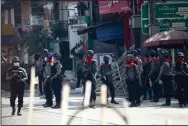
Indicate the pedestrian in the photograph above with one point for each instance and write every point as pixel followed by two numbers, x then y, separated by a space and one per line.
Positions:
pixel 47 82
pixel 90 69
pixel 56 79
pixel 17 77
pixel 165 76
pixel 79 69
pixel 133 81
pixel 153 74
pixel 106 73
pixel 181 76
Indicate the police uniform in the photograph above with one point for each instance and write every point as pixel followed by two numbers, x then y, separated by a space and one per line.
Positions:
pixel 181 76
pixel 165 76
pixel 133 81
pixel 56 81
pixel 153 74
pixel 90 69
pixel 47 83
pixel 106 73
pixel 17 77
pixel 145 79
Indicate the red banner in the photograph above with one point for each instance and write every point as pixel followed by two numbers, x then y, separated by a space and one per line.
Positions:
pixel 113 6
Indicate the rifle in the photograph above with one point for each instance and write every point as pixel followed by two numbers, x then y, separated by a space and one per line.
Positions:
pixel 20 72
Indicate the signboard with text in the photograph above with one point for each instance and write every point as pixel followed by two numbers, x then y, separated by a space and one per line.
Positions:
pixel 169 16
pixel 77 42
pixel 113 6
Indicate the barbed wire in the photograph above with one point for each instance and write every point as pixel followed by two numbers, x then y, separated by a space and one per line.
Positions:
pixel 123 117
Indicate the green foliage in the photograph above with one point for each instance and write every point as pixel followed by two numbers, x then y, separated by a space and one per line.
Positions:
pixel 35 40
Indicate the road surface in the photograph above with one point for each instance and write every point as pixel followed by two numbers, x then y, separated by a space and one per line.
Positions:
pixel 147 113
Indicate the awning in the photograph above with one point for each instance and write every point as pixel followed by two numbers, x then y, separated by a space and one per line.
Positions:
pixel 9 40
pixel 106 31
pixel 168 39
pixel 113 31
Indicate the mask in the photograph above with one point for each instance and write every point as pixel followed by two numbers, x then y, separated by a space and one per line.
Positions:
pixel 89 59
pixel 128 62
pixel 16 64
pixel 45 59
pixel 180 59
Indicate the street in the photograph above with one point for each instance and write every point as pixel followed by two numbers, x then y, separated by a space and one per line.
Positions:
pixel 147 114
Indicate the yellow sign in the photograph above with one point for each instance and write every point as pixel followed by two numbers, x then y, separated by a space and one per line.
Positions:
pixel 7 29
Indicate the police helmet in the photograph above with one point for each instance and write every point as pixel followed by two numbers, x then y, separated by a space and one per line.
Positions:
pixel 153 53
pixel 138 50
pixel 166 54
pixel 180 54
pixel 57 55
pixel 46 51
pixel 15 59
pixel 106 58
pixel 91 52
pixel 135 53
pixel 129 57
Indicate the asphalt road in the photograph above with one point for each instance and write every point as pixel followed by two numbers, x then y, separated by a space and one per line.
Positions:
pixel 147 113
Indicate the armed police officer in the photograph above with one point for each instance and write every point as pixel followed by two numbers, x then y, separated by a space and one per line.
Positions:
pixel 181 76
pixel 133 81
pixel 17 77
pixel 90 69
pixel 55 79
pixel 106 73
pixel 47 82
pixel 153 74
pixel 165 76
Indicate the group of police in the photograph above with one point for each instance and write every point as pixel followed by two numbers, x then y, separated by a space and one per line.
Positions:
pixel 144 75
pixel 142 78
pixel 49 72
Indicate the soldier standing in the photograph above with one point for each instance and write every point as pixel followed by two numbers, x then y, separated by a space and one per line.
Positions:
pixel 90 69
pixel 165 76
pixel 17 77
pixel 47 83
pixel 145 79
pixel 56 79
pixel 133 81
pixel 106 73
pixel 153 74
pixel 181 75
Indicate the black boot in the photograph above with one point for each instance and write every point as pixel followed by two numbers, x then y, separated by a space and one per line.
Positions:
pixel 56 106
pixel 18 112
pixel 114 102
pixel 13 111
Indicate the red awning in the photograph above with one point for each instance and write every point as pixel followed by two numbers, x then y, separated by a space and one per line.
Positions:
pixel 168 39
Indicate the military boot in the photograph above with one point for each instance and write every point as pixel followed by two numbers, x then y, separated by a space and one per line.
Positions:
pixel 13 111
pixel 19 112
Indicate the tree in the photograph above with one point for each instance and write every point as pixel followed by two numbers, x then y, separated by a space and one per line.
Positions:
pixel 37 38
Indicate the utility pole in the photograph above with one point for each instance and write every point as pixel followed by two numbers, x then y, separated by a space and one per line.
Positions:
pixel 91 11
pixel 153 27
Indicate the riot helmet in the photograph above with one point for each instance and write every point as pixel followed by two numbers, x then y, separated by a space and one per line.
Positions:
pixel 90 52
pixel 106 59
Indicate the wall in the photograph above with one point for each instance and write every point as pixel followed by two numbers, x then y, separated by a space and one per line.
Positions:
pixel 25 11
